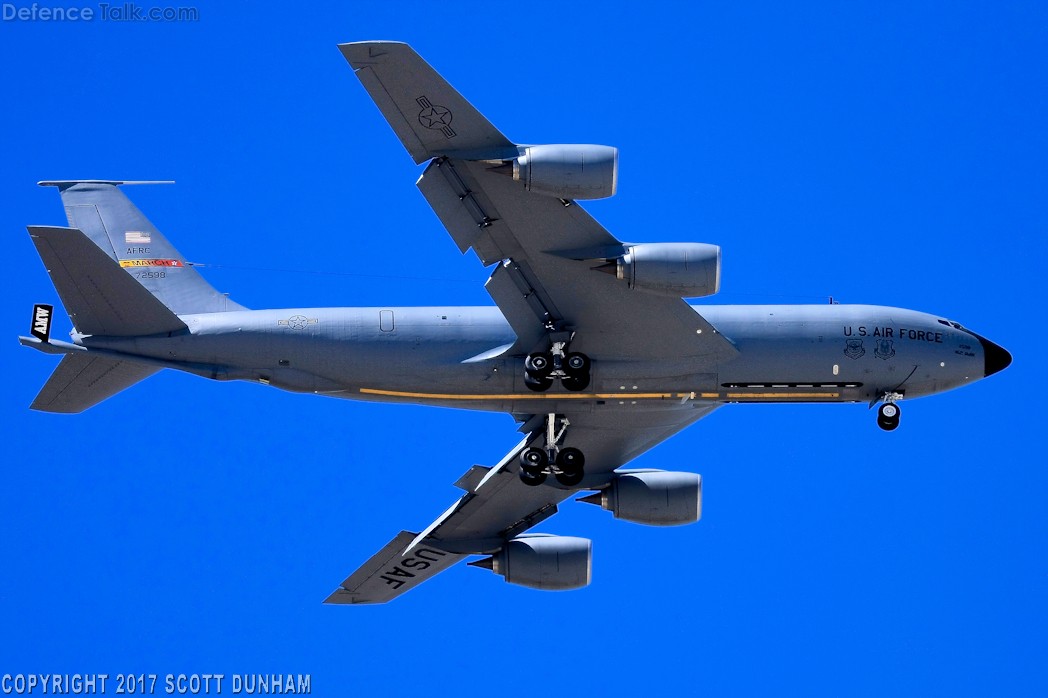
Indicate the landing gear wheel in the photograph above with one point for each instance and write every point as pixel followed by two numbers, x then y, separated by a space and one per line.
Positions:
pixel 570 459
pixel 570 478
pixel 576 383
pixel 570 462
pixel 888 416
pixel 538 385
pixel 887 424
pixel 533 460
pixel 576 364
pixel 538 365
pixel 532 479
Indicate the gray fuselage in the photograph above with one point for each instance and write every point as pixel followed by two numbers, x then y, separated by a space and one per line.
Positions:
pixel 452 356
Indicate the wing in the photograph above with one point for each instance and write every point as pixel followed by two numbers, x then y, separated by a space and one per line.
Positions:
pixel 497 506
pixel 547 249
pixel 546 284
pixel 428 116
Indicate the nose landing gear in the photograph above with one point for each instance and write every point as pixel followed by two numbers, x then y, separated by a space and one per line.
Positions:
pixel 888 413
pixel 565 463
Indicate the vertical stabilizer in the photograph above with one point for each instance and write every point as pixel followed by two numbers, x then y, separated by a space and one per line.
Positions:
pixel 118 228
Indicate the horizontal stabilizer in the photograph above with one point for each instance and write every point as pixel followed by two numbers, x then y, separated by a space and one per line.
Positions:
pixel 101 297
pixel 66 183
pixel 428 115
pixel 82 381
pixel 389 573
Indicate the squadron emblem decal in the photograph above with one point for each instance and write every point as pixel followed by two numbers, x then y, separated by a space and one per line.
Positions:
pixel 435 117
pixel 885 349
pixel 853 348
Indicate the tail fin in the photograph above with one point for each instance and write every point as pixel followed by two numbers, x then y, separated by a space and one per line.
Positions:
pixel 83 380
pixel 108 218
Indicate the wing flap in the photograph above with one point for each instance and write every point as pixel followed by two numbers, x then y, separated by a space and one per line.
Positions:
pixel 523 308
pixel 460 211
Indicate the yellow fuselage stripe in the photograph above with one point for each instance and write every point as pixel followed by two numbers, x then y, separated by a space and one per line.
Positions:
pixel 525 396
pixel 595 396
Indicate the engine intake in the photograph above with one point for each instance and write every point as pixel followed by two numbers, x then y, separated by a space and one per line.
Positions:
pixel 652 497
pixel 542 561
pixel 566 171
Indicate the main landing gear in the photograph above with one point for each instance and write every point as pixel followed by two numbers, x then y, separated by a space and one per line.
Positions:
pixel 888 413
pixel 572 368
pixel 566 463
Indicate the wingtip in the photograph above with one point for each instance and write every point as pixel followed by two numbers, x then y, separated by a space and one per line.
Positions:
pixel 361 53
pixel 371 42
pixel 344 597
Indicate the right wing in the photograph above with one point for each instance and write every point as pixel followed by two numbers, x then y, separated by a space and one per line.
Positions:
pixel 497 506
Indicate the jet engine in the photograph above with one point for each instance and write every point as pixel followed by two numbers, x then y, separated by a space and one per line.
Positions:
pixel 679 269
pixel 542 561
pixel 566 171
pixel 652 497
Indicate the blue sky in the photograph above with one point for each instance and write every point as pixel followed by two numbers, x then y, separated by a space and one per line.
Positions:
pixel 888 153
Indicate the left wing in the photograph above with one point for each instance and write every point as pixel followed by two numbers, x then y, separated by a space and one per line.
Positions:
pixel 497 507
pixel 548 248
pixel 427 115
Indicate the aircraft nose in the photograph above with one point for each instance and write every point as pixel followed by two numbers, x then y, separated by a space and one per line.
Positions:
pixel 995 356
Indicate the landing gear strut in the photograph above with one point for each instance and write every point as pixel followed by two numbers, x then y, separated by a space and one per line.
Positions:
pixel 572 368
pixel 565 463
pixel 888 413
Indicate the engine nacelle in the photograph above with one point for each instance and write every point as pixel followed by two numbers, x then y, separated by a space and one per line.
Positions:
pixel 568 171
pixel 653 497
pixel 544 562
pixel 680 269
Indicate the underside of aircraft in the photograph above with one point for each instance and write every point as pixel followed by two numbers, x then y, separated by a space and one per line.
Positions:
pixel 590 347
